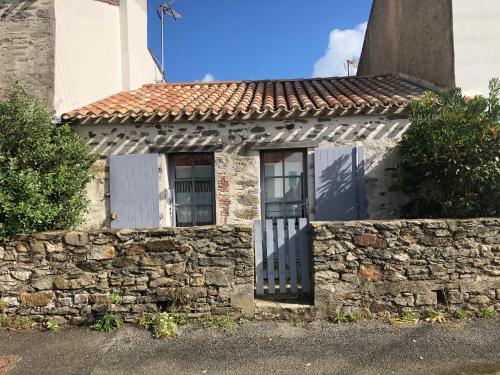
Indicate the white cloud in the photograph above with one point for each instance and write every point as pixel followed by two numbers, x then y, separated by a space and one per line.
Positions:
pixel 208 78
pixel 342 45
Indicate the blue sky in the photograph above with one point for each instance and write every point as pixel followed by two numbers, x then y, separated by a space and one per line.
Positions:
pixel 259 39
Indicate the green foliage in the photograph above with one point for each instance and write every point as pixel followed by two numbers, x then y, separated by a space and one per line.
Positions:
pixel 459 314
pixel 408 316
pixel 164 326
pixel 344 318
pixel 430 314
pixel 486 313
pixel 218 321
pixel 108 323
pixel 115 298
pixel 43 168
pixel 297 323
pixel 52 326
pixel 450 155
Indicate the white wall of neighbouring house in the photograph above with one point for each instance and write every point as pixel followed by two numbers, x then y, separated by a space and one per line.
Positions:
pixel 476 31
pixel 101 49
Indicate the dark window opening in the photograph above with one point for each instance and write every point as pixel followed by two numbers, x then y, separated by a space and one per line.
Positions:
pixel 193 189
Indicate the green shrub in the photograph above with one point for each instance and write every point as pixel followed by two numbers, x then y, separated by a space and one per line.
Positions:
pixel 430 314
pixel 44 168
pixel 164 326
pixel 408 316
pixel 108 323
pixel 486 313
pixel 52 326
pixel 450 155
pixel 297 323
pixel 459 314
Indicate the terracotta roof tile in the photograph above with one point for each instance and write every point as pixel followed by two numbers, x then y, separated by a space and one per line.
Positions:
pixel 213 101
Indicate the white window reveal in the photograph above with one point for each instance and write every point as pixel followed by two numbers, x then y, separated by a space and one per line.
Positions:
pixel 193 185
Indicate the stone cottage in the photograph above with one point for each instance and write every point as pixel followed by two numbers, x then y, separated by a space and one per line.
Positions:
pixel 187 154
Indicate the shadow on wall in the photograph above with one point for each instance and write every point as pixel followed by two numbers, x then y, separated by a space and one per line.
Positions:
pixel 139 139
pixel 341 188
pixel 14 8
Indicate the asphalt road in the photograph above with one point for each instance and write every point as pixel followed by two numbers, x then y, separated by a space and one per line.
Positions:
pixel 263 347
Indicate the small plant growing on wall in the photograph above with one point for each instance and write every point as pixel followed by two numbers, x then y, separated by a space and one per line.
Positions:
pixel 108 323
pixel 450 155
pixel 44 168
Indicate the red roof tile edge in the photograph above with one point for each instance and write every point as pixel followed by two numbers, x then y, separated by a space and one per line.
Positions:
pixel 252 100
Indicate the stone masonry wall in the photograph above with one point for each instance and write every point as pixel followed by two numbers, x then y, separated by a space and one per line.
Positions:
pixel 387 267
pixel 68 276
pixel 27 45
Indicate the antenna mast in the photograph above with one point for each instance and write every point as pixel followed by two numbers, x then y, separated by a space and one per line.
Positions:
pixel 165 8
pixel 348 64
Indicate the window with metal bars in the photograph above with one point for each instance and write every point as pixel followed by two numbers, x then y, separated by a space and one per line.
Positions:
pixel 284 190
pixel 193 188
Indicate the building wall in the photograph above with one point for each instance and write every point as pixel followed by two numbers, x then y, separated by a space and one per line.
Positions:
pixel 27 42
pixel 88 61
pixel 101 49
pixel 413 37
pixel 237 158
pixel 476 43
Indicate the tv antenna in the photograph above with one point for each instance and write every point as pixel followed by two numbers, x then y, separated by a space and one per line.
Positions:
pixel 348 64
pixel 166 9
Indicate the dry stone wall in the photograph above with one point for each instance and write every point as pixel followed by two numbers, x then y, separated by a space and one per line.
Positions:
pixel 69 276
pixel 388 267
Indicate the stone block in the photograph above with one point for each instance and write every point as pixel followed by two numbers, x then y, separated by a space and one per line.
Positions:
pixel 370 272
pixel 161 282
pixel 161 246
pixel 54 247
pixel 22 248
pixel 37 246
pixel 135 250
pixel 426 299
pixel 21 275
pixel 78 239
pixel 37 299
pixel 216 277
pixel 369 240
pixel 102 252
pixel 43 283
pixel 175 269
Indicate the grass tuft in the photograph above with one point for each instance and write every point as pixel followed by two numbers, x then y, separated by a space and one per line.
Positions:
pixel 52 326
pixel 486 313
pixel 108 323
pixel 218 321
pixel 115 298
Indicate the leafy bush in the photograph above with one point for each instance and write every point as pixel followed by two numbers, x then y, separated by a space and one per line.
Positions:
pixel 164 326
pixel 450 155
pixel 43 168
pixel 108 323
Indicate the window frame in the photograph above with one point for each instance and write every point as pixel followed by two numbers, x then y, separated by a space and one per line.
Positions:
pixel 172 180
pixel 263 178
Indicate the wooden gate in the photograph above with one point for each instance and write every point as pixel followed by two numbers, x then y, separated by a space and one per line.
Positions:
pixel 282 257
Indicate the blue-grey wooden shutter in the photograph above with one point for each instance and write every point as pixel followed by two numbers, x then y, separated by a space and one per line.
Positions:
pixel 339 183
pixel 134 191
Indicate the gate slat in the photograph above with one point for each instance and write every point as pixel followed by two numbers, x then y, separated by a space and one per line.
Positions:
pixel 259 260
pixel 292 246
pixel 270 255
pixel 281 254
pixel 304 255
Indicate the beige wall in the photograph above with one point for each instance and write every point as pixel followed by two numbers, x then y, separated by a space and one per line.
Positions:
pixel 237 166
pixel 476 29
pixel 101 49
pixel 413 37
